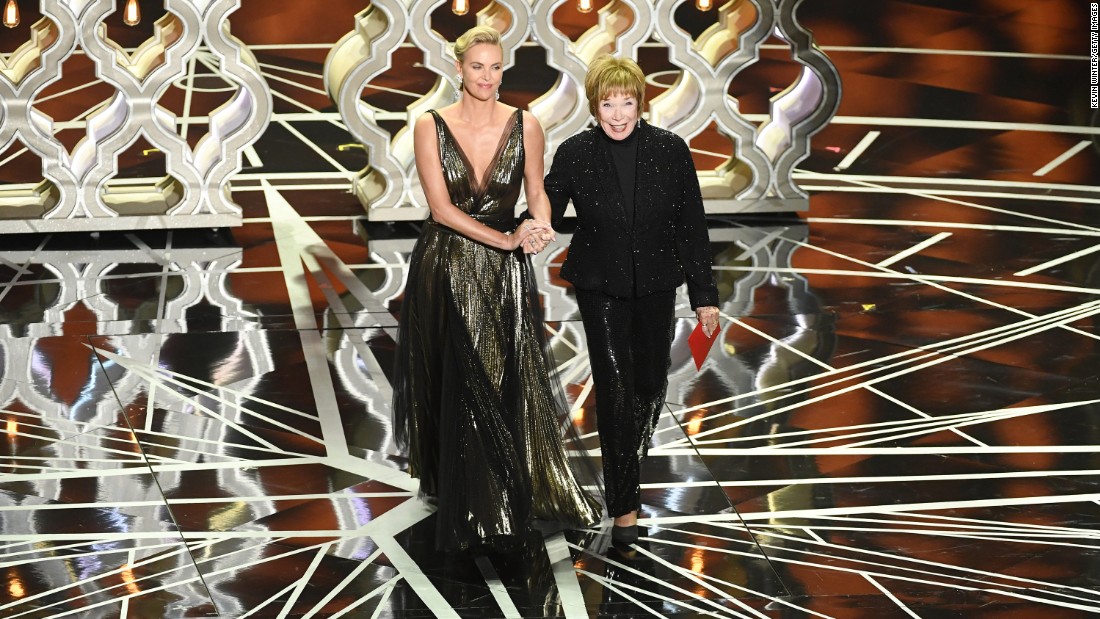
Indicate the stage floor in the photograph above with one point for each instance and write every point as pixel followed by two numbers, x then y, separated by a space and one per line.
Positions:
pixel 900 419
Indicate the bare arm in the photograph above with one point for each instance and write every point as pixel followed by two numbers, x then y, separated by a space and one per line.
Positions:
pixel 534 145
pixel 538 204
pixel 430 170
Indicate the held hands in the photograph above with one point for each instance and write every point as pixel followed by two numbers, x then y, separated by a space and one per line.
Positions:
pixel 708 317
pixel 534 235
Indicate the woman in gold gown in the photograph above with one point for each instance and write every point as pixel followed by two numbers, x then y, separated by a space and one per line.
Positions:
pixel 476 401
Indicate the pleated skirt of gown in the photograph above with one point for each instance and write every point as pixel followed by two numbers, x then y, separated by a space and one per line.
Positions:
pixel 477 401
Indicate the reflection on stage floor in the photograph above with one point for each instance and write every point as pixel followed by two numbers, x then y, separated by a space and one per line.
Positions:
pixel 197 424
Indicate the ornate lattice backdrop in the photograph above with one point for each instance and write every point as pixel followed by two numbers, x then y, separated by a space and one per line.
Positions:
pixel 80 188
pixel 68 152
pixel 757 177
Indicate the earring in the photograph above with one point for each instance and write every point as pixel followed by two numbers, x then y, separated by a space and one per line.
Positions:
pixel 498 88
pixel 458 86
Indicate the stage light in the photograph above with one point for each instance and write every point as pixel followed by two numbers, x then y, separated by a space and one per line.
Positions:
pixel 584 6
pixel 131 15
pixel 703 5
pixel 459 7
pixel 11 14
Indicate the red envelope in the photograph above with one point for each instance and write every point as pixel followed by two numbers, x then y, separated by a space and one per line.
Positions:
pixel 700 344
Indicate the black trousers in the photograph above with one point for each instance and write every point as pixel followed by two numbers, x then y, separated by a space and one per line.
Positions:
pixel 629 341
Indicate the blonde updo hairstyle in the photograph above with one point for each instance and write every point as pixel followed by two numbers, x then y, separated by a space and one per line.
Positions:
pixel 609 75
pixel 476 36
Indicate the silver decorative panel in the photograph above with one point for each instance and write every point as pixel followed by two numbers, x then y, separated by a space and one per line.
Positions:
pixel 79 189
pixel 186 277
pixel 757 176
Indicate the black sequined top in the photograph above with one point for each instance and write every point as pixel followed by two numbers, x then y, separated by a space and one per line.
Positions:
pixel 668 241
pixel 624 154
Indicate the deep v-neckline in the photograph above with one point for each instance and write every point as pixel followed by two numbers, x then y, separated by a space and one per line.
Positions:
pixel 479 186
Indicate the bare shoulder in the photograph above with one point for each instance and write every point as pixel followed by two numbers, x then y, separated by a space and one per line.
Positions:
pixel 425 121
pixel 424 131
pixel 531 124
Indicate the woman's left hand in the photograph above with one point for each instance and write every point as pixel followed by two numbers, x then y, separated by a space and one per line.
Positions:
pixel 708 317
pixel 540 235
pixel 533 244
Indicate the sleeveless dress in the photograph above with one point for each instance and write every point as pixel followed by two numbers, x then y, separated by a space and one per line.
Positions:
pixel 476 401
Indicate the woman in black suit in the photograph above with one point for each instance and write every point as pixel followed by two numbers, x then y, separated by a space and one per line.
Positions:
pixel 640 232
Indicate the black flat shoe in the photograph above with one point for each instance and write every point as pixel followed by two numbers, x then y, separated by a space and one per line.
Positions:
pixel 624 535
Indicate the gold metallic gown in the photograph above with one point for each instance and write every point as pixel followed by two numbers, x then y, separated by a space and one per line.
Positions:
pixel 476 401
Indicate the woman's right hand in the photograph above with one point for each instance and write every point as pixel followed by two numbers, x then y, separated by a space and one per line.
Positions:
pixel 527 240
pixel 532 235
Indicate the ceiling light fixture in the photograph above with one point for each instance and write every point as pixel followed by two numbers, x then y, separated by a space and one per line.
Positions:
pixel 11 14
pixel 131 15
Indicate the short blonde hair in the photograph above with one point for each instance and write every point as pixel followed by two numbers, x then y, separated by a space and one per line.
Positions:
pixel 608 75
pixel 476 36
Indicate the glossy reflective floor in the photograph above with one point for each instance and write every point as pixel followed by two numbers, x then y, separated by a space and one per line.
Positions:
pixel 900 419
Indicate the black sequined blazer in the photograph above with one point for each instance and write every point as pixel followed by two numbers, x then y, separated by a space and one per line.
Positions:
pixel 668 242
